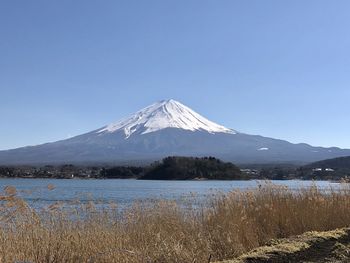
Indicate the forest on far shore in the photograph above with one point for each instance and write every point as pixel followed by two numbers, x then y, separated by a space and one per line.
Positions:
pixel 187 168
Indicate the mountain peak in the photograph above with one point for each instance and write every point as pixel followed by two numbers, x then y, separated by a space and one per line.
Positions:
pixel 161 115
pixel 168 101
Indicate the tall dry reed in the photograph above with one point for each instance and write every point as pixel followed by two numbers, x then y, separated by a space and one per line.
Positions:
pixel 229 225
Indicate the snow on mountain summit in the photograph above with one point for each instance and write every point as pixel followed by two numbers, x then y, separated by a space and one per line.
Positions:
pixel 162 115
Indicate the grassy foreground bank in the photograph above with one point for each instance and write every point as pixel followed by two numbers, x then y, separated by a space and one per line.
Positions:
pixel 311 247
pixel 231 225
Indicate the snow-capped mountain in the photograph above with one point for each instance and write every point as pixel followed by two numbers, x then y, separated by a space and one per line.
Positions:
pixel 162 115
pixel 162 129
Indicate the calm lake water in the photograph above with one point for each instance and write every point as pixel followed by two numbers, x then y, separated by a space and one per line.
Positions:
pixel 124 192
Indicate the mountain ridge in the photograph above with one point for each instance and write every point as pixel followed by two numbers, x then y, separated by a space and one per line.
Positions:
pixel 167 128
pixel 164 114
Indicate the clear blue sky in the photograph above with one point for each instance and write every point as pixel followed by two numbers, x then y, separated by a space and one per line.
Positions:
pixel 276 68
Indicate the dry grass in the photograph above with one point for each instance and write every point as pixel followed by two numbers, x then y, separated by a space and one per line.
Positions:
pixel 229 226
pixel 313 246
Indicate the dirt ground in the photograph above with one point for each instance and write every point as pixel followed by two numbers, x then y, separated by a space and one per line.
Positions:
pixel 330 246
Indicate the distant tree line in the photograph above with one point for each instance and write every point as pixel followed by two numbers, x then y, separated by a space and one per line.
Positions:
pixel 170 168
pixel 122 172
pixel 187 168
pixel 50 171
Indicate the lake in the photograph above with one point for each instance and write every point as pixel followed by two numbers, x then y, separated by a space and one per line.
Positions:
pixel 125 192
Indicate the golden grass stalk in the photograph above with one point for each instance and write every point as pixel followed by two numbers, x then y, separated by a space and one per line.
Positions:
pixel 163 231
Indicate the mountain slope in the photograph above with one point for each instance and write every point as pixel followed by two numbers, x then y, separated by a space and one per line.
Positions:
pixel 162 115
pixel 335 163
pixel 167 128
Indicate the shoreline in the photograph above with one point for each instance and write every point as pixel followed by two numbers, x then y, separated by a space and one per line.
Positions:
pixel 175 180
